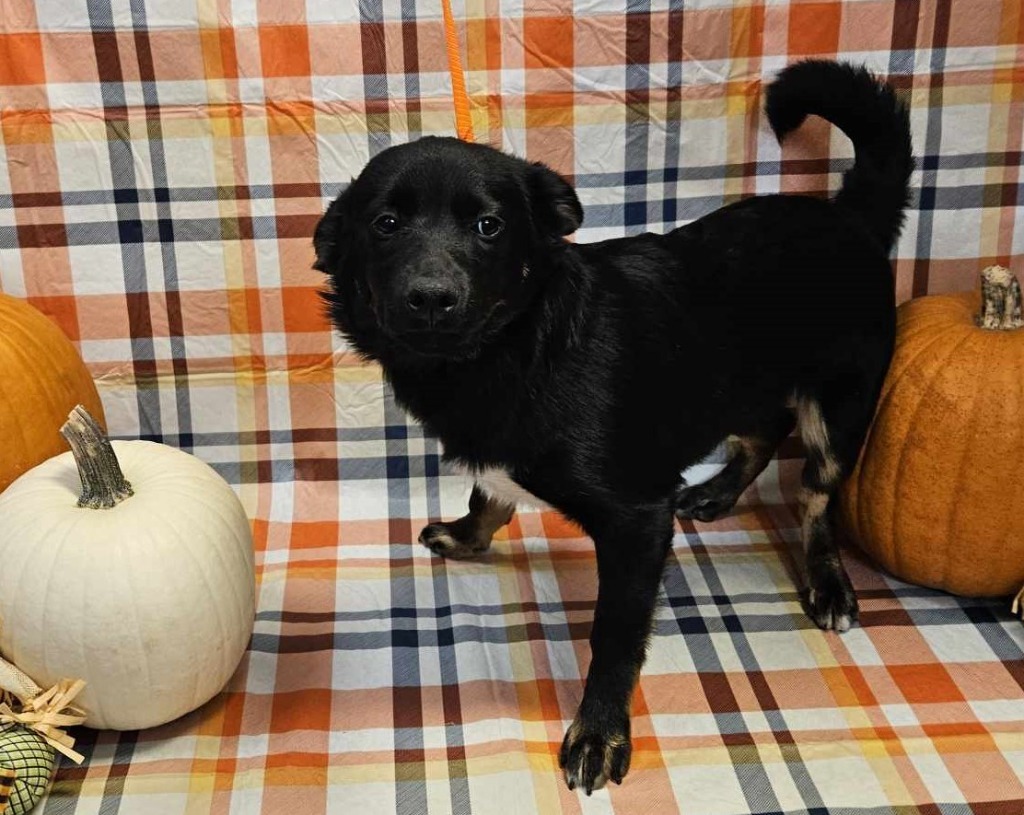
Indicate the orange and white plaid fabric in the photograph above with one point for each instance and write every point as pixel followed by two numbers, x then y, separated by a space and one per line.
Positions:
pixel 162 167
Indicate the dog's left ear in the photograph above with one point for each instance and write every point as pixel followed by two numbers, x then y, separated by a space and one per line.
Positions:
pixel 327 238
pixel 556 209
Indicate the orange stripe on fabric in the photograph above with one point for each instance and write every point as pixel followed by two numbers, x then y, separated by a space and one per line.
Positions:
pixel 463 123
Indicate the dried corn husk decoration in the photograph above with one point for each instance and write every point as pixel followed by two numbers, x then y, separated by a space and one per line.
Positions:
pixel 16 683
pixel 29 761
pixel 24 703
pixel 31 731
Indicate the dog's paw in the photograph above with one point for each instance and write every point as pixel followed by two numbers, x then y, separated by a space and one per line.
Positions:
pixel 594 753
pixel 701 503
pixel 444 540
pixel 831 603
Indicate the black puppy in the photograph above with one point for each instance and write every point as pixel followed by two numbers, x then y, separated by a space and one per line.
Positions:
pixel 590 375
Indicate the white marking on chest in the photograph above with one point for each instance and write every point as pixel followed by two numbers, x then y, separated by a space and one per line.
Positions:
pixel 496 483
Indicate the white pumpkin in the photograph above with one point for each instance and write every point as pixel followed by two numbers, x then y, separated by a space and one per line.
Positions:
pixel 151 600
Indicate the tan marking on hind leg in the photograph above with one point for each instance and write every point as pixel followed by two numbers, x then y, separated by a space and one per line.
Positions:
pixel 814 504
pixel 814 434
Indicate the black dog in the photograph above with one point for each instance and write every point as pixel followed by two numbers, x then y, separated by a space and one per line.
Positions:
pixel 590 375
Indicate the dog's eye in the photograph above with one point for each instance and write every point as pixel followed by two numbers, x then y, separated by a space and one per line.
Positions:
pixel 488 226
pixel 385 224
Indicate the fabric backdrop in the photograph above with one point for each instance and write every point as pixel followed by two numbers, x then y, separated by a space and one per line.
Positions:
pixel 162 166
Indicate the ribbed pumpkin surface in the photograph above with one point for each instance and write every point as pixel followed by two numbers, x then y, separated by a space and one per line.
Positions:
pixel 41 379
pixel 938 495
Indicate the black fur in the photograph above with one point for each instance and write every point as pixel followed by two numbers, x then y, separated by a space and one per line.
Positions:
pixel 595 373
pixel 875 188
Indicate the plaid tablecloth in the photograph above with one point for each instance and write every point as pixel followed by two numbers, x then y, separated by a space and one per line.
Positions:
pixel 162 166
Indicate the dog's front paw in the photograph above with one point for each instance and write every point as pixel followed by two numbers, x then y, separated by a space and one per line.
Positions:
pixel 594 752
pixel 831 602
pixel 445 540
pixel 702 503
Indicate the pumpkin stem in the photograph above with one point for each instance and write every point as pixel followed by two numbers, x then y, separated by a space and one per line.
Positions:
pixel 103 484
pixel 1000 300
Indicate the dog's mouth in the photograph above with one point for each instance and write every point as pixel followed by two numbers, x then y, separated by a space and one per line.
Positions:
pixel 463 341
pixel 448 344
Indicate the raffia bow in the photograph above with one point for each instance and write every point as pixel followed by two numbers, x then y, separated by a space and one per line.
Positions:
pixel 24 703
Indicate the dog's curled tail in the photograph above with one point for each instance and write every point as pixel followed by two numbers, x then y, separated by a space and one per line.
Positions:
pixel 867 110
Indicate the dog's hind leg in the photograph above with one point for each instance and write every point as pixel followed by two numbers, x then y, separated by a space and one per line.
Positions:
pixel 471 534
pixel 832 424
pixel 749 454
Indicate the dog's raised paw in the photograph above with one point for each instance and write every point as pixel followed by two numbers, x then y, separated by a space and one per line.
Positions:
pixel 442 540
pixel 698 503
pixel 593 755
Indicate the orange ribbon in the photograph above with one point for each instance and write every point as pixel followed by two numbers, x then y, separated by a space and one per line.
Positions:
pixel 463 121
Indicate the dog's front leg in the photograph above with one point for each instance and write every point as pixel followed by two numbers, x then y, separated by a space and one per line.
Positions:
pixel 631 552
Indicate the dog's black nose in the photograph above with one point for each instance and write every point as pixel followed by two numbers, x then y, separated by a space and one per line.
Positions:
pixel 431 302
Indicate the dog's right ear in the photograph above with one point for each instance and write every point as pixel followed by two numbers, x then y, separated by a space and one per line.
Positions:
pixel 329 235
pixel 556 208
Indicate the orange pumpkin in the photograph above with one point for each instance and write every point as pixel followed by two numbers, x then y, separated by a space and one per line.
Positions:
pixel 937 497
pixel 41 379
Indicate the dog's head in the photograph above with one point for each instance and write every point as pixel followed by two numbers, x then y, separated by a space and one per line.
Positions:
pixel 438 244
